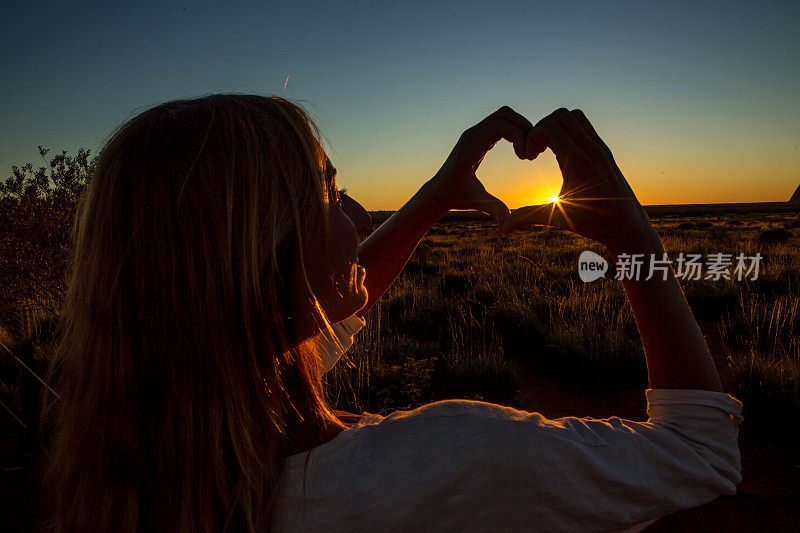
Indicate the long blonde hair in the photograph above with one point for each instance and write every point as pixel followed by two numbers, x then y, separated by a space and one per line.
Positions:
pixel 180 372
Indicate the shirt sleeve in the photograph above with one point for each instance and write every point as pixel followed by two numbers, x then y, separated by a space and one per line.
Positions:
pixel 629 473
pixel 472 466
pixel 330 348
pixel 352 324
pixel 495 468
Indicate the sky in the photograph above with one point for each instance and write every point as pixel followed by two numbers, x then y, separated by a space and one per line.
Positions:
pixel 700 102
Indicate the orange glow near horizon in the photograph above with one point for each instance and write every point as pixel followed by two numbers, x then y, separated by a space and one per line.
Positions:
pixel 539 196
pixel 519 189
pixel 523 183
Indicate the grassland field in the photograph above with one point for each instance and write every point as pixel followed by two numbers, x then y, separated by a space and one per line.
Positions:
pixel 470 304
pixel 506 319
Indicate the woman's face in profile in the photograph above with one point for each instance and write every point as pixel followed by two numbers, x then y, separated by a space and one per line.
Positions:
pixel 341 291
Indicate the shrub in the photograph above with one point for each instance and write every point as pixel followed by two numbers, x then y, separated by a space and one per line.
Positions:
pixel 772 236
pixel 37 215
pixel 484 379
pixel 710 299
pixel 454 283
pixel 519 328
pixel 593 357
pixel 770 391
pixel 404 386
pixel 766 325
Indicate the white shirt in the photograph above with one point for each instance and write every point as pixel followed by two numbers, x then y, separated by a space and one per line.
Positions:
pixel 472 466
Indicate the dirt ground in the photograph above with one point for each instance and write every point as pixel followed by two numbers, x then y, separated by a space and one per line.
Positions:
pixel 768 499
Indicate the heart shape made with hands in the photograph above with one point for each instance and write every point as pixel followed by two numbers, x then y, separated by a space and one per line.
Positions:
pixel 594 199
pixel 520 182
pixel 457 185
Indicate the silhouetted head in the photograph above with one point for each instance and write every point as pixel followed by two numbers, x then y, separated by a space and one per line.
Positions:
pixel 209 245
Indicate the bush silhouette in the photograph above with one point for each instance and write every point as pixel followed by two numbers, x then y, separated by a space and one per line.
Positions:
pixel 37 212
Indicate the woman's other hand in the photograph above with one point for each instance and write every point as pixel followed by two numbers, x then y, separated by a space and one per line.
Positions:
pixel 456 186
pixel 595 199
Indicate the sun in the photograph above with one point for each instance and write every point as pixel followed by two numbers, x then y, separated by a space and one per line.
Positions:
pixel 554 199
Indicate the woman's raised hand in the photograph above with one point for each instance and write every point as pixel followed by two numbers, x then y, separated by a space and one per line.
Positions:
pixel 595 199
pixel 456 186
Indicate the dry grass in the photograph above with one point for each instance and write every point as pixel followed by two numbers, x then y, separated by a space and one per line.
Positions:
pixel 469 303
pixel 469 300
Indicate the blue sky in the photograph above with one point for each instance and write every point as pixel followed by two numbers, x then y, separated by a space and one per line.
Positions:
pixel 700 103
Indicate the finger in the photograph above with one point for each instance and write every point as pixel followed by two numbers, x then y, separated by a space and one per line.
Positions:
pixel 548 133
pixel 491 130
pixel 495 127
pixel 575 130
pixel 515 118
pixel 534 145
pixel 543 215
pixel 589 128
pixel 491 205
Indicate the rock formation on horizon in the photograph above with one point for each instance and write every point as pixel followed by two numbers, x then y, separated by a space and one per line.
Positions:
pixel 795 199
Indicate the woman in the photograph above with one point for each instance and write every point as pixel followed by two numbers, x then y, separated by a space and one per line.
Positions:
pixel 213 251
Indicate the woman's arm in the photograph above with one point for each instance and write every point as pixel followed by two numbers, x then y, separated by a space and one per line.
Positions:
pixel 597 202
pixel 676 351
pixel 455 186
pixel 384 253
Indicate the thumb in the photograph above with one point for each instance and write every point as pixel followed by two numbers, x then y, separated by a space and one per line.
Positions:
pixel 491 205
pixel 543 215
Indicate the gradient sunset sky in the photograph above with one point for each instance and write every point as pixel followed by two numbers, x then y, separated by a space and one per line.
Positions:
pixel 700 102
